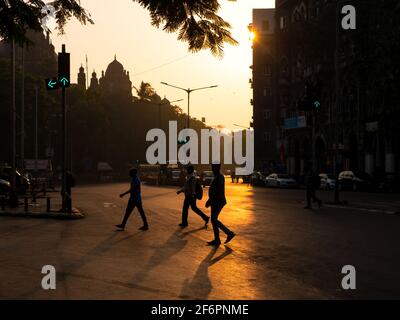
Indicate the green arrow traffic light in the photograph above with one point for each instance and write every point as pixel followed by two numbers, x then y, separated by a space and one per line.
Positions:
pixel 64 82
pixel 51 84
pixel 317 104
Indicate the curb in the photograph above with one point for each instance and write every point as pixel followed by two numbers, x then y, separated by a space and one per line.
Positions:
pixel 75 215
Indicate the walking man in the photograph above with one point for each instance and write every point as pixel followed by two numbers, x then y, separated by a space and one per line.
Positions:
pixel 135 200
pixel 190 198
pixel 312 181
pixel 217 201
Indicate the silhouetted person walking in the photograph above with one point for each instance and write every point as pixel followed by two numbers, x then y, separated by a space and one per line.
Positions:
pixel 217 201
pixel 312 182
pixel 135 200
pixel 190 198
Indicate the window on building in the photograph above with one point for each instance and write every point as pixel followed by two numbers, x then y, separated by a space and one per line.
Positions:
pixel 267 70
pixel 265 25
pixel 267 92
pixel 282 22
pixel 267 114
pixel 267 136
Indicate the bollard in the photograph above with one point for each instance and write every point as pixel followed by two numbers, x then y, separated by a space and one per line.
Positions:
pixel 3 203
pixel 26 204
pixel 48 205
pixel 44 189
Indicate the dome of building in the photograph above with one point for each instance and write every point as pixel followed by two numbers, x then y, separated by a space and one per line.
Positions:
pixel 115 67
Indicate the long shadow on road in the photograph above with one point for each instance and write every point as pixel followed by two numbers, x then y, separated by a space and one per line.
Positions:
pixel 200 286
pixel 171 247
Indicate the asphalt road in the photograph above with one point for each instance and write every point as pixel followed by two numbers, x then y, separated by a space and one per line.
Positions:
pixel 281 250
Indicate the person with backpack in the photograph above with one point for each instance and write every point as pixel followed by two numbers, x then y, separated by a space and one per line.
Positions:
pixel 135 200
pixel 217 202
pixel 193 192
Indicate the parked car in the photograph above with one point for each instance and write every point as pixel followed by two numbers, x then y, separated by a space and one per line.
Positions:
pixel 328 182
pixel 360 181
pixel 206 178
pixel 280 180
pixel 257 179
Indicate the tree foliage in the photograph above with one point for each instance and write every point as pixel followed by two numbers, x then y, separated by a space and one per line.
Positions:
pixel 195 21
pixel 18 16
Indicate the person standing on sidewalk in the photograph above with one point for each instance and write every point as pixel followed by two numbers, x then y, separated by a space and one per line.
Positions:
pixel 312 181
pixel 135 200
pixel 190 198
pixel 217 201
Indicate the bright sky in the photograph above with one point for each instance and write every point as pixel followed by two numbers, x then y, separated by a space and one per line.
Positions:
pixel 125 30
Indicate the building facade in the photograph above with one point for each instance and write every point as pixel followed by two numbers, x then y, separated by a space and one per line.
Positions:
pixel 263 84
pixel 336 102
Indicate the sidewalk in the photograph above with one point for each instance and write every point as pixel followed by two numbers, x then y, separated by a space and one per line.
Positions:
pixel 39 210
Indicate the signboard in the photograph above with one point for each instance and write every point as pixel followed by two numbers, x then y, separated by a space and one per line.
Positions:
pixel 295 123
pixel 104 166
pixel 30 164
pixel 371 126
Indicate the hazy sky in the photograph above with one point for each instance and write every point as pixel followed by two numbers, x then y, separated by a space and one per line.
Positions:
pixel 125 30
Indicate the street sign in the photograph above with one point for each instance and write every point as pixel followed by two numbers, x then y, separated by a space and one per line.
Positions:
pixel 64 77
pixel 295 123
pixel 51 84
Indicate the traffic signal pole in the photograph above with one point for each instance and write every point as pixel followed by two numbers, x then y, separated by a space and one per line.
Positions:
pixel 64 148
pixel 64 73
pixel 336 127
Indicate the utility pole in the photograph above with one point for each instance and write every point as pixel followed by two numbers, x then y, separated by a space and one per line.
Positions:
pixel 13 197
pixel 36 130
pixel 337 94
pixel 22 144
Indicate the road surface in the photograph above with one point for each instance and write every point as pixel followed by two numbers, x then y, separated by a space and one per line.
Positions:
pixel 281 251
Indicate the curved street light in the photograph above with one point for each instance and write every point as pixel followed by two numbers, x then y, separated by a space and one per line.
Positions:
pixel 188 91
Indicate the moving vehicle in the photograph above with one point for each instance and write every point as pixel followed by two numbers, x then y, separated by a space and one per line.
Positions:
pixel 280 180
pixel 328 182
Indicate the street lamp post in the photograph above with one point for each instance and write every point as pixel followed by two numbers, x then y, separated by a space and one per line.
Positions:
pixel 188 91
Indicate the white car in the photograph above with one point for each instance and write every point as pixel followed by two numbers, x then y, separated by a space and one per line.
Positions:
pixel 328 182
pixel 280 180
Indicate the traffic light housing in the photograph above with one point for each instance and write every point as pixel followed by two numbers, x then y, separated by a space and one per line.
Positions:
pixel 312 97
pixel 64 76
